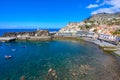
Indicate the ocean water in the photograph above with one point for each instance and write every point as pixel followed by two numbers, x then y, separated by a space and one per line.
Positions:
pixel 2 31
pixel 70 60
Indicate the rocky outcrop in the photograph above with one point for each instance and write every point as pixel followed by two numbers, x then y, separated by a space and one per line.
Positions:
pixel 52 75
pixel 27 34
pixel 42 33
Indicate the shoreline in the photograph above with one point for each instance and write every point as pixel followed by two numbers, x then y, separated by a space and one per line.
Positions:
pixel 108 47
pixel 105 46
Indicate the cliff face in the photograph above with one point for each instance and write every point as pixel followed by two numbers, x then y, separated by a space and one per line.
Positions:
pixel 100 23
pixel 27 34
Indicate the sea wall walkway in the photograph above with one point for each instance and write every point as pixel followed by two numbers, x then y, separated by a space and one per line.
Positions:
pixel 105 45
pixel 99 42
pixel 7 39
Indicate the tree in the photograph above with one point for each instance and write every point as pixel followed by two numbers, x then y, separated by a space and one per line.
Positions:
pixel 117 32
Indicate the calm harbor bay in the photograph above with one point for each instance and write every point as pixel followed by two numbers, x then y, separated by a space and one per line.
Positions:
pixel 70 60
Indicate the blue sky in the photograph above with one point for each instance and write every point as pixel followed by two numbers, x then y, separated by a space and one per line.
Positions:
pixel 50 13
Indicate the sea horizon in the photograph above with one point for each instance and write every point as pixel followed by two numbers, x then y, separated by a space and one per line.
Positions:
pixel 2 31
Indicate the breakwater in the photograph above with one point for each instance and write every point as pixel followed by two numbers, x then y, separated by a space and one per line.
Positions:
pixel 33 35
pixel 27 34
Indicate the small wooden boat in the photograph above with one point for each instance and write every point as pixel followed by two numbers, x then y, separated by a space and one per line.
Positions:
pixel 13 50
pixel 8 57
pixel 24 46
pixel 7 44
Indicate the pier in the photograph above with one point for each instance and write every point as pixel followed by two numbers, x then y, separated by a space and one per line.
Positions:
pixel 7 39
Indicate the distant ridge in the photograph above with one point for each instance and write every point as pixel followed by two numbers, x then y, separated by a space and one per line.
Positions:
pixel 104 16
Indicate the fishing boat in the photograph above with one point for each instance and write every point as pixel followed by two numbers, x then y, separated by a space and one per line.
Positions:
pixel 24 46
pixel 8 57
pixel 13 50
pixel 7 44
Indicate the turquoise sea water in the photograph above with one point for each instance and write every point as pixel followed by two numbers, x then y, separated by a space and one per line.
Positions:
pixel 71 60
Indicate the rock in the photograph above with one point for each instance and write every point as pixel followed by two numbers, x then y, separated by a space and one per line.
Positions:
pixel 52 75
pixel 22 78
pixel 85 68
pixel 42 33
pixel 50 70
pixel 74 74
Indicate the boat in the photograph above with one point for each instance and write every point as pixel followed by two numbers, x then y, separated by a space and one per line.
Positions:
pixel 13 50
pixel 8 57
pixel 24 46
pixel 7 44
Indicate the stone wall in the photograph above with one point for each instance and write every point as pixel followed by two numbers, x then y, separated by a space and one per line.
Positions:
pixel 27 34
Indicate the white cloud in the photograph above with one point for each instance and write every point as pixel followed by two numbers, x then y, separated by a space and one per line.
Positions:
pixel 114 7
pixel 92 6
pixel 106 10
pixel 95 5
pixel 115 3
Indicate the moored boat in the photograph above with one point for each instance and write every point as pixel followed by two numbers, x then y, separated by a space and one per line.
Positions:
pixel 8 57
